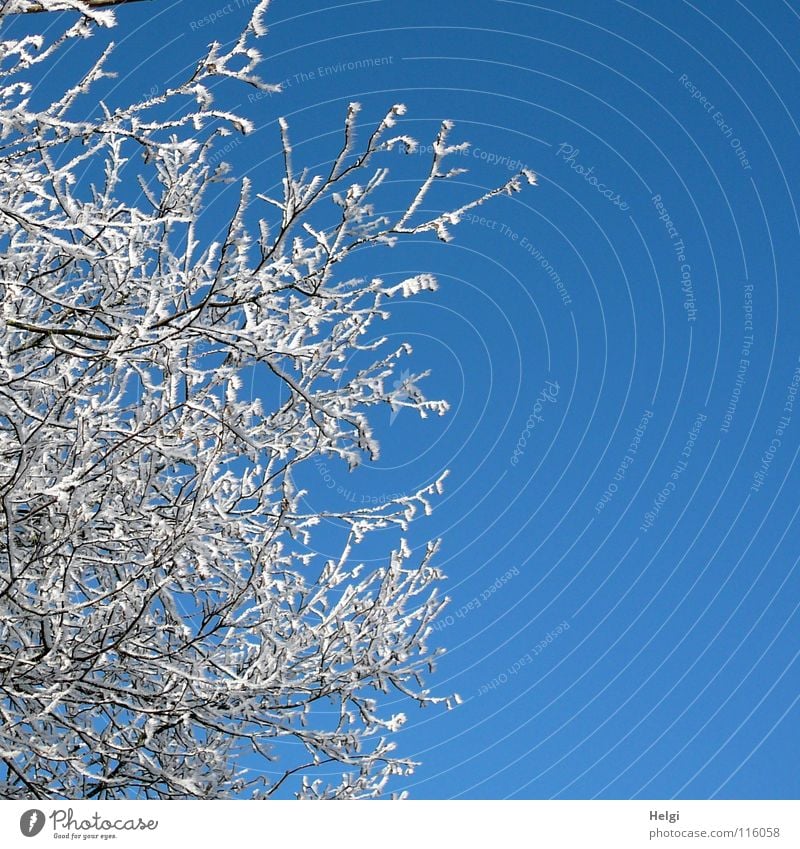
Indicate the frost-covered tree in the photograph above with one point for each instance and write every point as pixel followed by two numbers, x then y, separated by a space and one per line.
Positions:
pixel 165 623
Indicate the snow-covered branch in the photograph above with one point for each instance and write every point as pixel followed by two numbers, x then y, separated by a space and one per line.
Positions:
pixel 162 613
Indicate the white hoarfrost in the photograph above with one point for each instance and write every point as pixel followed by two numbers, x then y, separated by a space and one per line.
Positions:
pixel 166 629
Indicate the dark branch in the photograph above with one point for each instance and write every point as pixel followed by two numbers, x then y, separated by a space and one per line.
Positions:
pixel 94 4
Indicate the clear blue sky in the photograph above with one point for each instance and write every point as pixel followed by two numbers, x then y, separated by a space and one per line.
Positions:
pixel 625 586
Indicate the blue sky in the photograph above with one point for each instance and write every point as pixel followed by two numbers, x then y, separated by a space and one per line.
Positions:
pixel 620 349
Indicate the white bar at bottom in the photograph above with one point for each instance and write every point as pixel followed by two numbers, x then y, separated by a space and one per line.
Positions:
pixel 386 825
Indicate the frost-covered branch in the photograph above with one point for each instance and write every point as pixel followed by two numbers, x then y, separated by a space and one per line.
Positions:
pixel 163 615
